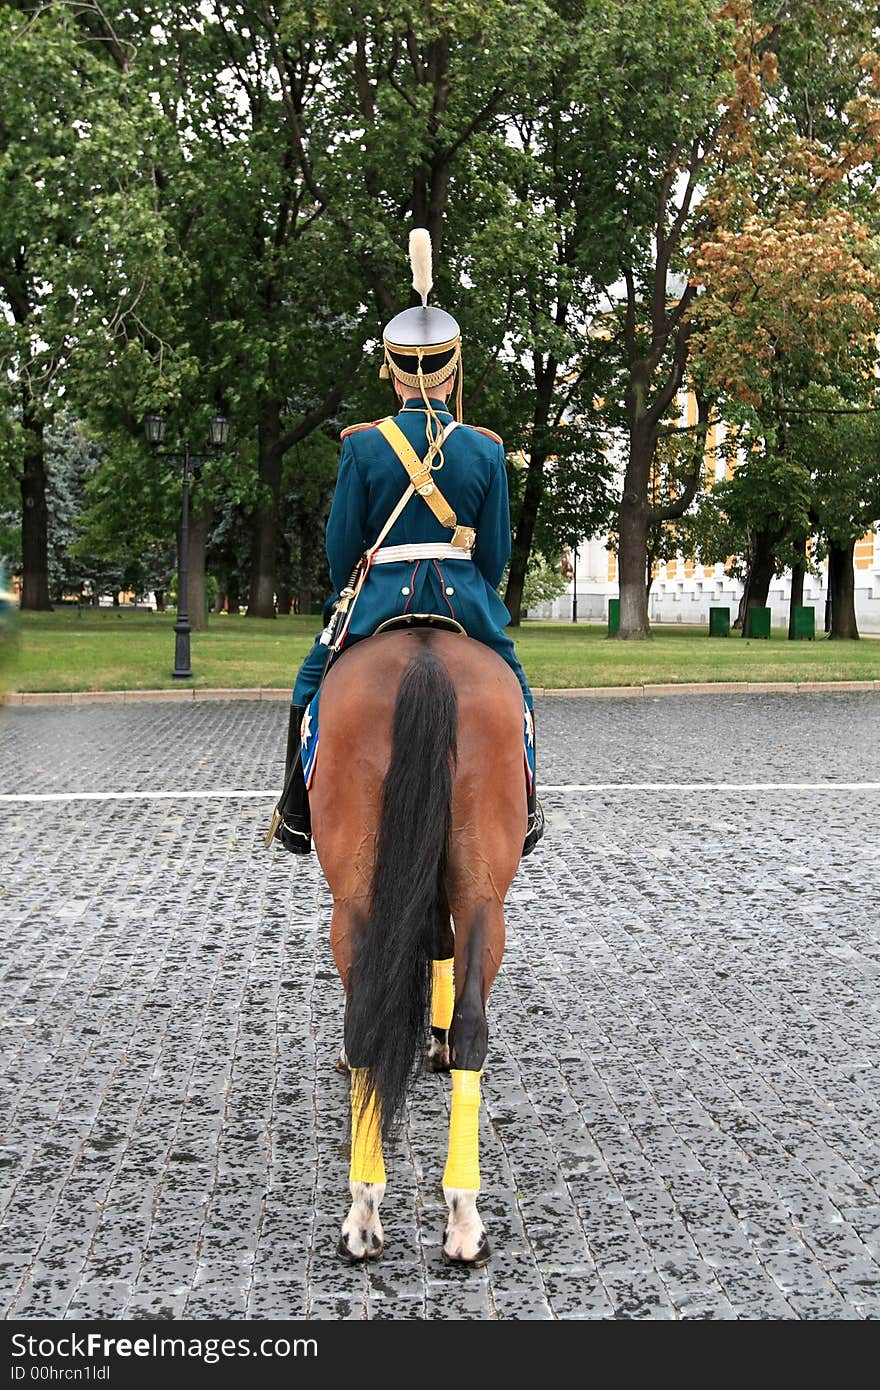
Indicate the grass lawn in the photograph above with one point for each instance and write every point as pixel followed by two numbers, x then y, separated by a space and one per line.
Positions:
pixel 107 649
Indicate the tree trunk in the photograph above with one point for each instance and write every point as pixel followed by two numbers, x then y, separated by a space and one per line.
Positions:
pixel 798 572
pixel 219 599
pixel 522 541
pixel 34 518
pixel 762 566
pixel 284 581
pixel 196 588
pixel 233 595
pixel 160 600
pixel 545 381
pixel 633 525
pixel 739 620
pixel 842 587
pixel 262 595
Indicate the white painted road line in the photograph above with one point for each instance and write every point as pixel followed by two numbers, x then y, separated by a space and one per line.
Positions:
pixel 237 794
pixel 710 787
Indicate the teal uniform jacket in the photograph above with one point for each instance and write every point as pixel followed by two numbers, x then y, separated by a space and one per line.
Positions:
pixel 371 482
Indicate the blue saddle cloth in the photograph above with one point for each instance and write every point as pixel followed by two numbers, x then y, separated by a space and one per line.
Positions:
pixel 309 739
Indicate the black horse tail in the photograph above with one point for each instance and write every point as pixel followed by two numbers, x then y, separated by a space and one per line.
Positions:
pixel 389 991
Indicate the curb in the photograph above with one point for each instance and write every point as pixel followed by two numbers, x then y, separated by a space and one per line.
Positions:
pixel 277 695
pixel 709 688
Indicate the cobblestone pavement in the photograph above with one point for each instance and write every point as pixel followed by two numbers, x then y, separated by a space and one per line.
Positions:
pixel 682 1097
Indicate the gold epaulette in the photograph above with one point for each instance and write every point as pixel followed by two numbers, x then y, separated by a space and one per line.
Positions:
pixel 490 434
pixel 367 425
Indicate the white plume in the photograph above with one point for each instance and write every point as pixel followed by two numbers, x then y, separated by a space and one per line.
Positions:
pixel 420 260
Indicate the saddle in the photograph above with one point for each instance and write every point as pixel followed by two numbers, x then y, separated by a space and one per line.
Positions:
pixel 436 620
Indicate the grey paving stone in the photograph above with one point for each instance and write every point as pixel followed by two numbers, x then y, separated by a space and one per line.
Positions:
pixel 681 1094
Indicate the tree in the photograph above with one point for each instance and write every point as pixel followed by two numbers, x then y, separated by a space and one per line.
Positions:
pixel 838 445
pixel 790 271
pixel 78 247
pixel 680 83
pixel 429 93
pixel 752 517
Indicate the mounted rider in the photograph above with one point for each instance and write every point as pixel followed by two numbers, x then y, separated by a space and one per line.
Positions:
pixel 395 555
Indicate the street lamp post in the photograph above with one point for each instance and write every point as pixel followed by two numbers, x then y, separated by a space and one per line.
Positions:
pixel 574 585
pixel 189 463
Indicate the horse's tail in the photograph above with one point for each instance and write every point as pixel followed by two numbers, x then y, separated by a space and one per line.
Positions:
pixel 390 982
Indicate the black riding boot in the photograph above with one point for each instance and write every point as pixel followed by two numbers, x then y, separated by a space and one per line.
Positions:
pixel 295 830
pixel 535 825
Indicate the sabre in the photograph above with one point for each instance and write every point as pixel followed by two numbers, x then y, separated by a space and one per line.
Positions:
pixel 345 597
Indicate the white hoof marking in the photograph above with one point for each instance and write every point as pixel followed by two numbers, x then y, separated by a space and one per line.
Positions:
pixel 438 1054
pixel 362 1235
pixel 465 1232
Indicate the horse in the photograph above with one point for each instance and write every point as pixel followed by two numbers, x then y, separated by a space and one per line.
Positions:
pixel 418 806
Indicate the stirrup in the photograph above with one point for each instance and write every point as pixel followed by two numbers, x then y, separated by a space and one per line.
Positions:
pixel 535 830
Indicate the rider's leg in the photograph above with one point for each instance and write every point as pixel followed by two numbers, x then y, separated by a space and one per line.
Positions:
pixel 535 824
pixel 295 830
pixel 503 645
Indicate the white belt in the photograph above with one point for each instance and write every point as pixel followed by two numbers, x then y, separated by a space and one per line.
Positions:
pixel 442 550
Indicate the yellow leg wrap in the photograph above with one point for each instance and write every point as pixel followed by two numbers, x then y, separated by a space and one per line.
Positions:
pixel 367 1164
pixel 442 993
pixel 463 1157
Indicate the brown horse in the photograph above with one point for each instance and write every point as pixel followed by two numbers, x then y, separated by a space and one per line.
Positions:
pixel 418 813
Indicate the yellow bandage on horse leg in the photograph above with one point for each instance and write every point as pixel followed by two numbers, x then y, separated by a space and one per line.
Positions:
pixel 442 993
pixel 367 1164
pixel 463 1157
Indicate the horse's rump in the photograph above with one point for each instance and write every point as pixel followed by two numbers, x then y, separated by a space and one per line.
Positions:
pixel 357 717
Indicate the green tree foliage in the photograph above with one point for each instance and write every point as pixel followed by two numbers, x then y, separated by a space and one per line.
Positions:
pixel 790 269
pixel 82 251
pixel 206 208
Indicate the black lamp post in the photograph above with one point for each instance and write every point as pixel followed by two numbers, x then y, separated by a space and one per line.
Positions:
pixel 154 428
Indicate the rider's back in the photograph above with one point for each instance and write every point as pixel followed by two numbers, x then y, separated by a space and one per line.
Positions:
pixel 473 481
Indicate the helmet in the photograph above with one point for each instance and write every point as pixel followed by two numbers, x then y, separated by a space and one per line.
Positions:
pixel 423 344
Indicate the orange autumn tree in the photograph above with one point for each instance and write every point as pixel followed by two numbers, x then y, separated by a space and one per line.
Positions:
pixel 691 77
pixel 788 275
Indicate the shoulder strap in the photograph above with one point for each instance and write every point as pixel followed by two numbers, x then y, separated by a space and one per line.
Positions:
pixel 419 475
pixel 356 429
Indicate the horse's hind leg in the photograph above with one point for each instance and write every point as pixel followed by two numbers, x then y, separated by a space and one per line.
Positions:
pixel 362 1237
pixel 479 945
pixel 442 990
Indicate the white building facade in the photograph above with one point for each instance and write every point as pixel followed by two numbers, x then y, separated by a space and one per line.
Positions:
pixel 683 590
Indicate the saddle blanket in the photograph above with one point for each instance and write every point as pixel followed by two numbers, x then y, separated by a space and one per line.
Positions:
pixel 309 734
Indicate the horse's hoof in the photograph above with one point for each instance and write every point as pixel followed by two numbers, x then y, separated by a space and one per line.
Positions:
pixel 351 1258
pixel 480 1260
pixel 437 1057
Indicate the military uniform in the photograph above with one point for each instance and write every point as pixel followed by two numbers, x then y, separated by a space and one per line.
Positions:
pixel 464 587
pixel 443 552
